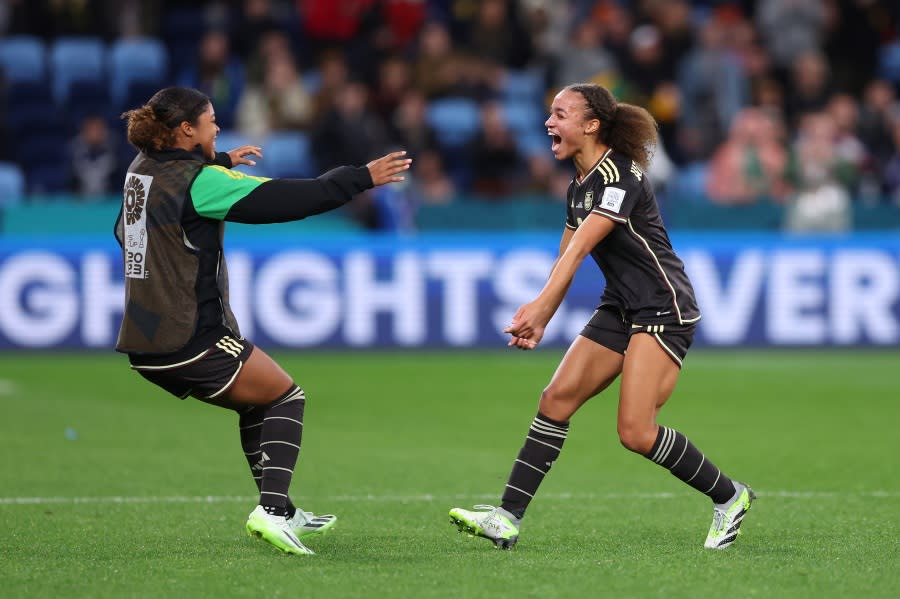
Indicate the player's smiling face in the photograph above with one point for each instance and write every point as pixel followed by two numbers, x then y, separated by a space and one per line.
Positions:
pixel 205 131
pixel 567 126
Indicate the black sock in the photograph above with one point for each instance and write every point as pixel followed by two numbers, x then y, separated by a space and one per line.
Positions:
pixel 250 426
pixel 673 451
pixel 279 446
pixel 542 446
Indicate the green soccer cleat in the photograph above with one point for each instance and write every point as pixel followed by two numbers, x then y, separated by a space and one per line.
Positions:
pixel 493 523
pixel 276 531
pixel 727 518
pixel 307 524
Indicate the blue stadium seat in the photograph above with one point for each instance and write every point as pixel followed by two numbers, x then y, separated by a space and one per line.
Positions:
pixel 75 59
pixel 23 58
pixel 523 85
pixel 44 159
pixel 689 184
pixel 889 62
pixel 229 139
pixel 29 103
pixel 524 117
pixel 136 59
pixel 12 184
pixel 456 121
pixel 138 93
pixel 88 98
pixel 287 154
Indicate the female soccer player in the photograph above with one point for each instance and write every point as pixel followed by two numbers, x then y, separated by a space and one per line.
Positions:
pixel 642 328
pixel 178 328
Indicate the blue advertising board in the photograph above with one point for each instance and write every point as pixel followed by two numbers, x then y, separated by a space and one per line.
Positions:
pixel 460 290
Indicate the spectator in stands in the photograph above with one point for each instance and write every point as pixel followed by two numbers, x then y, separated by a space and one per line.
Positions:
pixel 714 89
pixel 257 20
pixel 394 81
pixel 94 165
pixel 280 102
pixel 347 134
pixel 497 35
pixel 822 179
pixel 810 86
pixel 334 74
pixel 409 128
pixel 892 168
pixel 437 68
pixel 750 165
pixel 583 57
pixel 430 183
pixel 879 110
pixel 791 27
pixel 844 112
pixel 218 74
pixel 496 163
pixel 350 131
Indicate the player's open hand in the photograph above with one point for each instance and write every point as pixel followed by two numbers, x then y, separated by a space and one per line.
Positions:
pixel 388 169
pixel 238 155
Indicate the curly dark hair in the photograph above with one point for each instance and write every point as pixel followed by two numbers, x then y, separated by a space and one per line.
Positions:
pixel 626 128
pixel 152 126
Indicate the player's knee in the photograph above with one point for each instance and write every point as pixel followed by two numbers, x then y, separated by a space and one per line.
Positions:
pixel 636 437
pixel 556 403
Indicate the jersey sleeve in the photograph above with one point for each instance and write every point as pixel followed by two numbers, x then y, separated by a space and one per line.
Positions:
pixel 216 189
pixel 617 194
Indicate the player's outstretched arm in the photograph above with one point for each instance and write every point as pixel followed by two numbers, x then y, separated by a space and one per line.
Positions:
pixel 235 197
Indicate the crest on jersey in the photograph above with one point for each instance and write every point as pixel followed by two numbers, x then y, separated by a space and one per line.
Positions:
pixel 588 200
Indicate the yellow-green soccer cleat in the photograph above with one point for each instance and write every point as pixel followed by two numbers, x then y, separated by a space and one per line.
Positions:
pixel 276 531
pixel 727 518
pixel 493 523
pixel 307 524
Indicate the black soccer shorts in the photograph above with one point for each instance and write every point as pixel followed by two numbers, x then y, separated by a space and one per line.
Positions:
pixel 609 328
pixel 205 376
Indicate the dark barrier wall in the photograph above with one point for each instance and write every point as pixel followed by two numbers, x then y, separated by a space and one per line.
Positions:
pixel 360 291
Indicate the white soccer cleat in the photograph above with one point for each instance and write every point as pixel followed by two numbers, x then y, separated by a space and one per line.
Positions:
pixel 276 531
pixel 493 523
pixel 727 518
pixel 307 524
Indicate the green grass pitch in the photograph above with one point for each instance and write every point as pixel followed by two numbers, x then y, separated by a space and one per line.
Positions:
pixel 111 488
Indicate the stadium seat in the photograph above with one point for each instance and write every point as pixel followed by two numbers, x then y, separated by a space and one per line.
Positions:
pixel 88 98
pixel 456 121
pixel 889 62
pixel 29 103
pixel 139 91
pixel 73 59
pixel 524 117
pixel 689 184
pixel 229 139
pixel 287 154
pixel 23 58
pixel 523 86
pixel 12 184
pixel 136 59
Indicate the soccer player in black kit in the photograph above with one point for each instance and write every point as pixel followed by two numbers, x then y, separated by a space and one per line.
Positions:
pixel 641 330
pixel 178 328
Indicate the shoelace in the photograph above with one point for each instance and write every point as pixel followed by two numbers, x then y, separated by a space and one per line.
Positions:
pixel 484 506
pixel 718 519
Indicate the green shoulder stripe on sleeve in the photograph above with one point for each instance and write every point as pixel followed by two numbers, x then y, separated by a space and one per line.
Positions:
pixel 216 189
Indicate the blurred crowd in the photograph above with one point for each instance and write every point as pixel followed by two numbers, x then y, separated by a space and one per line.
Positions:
pixel 791 102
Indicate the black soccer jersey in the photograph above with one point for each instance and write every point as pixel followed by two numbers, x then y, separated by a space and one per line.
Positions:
pixel 645 279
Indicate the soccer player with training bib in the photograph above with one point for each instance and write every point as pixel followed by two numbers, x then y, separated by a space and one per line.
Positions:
pixel 641 330
pixel 178 329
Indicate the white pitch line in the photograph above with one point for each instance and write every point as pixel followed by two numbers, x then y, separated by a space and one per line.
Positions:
pixel 425 497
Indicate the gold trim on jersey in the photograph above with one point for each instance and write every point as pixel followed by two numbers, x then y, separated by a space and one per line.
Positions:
pixel 609 171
